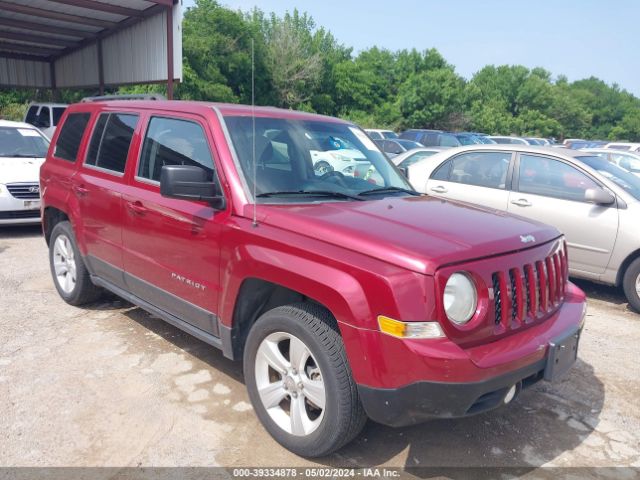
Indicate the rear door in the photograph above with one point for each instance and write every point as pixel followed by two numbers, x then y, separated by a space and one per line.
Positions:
pixel 481 178
pixel 171 246
pixel 98 186
pixel 552 191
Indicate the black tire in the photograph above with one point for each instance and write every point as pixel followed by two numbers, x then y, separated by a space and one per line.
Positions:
pixel 322 167
pixel 84 291
pixel 631 275
pixel 344 416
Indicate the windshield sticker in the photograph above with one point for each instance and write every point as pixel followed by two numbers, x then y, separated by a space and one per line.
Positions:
pixel 28 132
pixel 367 142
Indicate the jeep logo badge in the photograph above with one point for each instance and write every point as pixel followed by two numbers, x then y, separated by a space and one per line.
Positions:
pixel 34 189
pixel 527 238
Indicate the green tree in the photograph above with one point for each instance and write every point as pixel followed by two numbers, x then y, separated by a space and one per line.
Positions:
pixel 429 98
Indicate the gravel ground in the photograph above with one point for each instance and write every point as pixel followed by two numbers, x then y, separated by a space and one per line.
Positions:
pixel 110 385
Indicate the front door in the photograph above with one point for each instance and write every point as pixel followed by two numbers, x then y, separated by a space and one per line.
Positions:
pixel 171 247
pixel 551 191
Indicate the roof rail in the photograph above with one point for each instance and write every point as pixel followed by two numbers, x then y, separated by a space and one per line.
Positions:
pixel 133 96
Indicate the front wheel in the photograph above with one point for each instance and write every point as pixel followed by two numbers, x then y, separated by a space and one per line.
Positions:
pixel 631 284
pixel 299 380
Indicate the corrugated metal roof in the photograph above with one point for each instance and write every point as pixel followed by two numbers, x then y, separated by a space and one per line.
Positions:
pixel 35 33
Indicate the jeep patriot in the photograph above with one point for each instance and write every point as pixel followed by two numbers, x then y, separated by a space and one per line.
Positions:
pixel 345 293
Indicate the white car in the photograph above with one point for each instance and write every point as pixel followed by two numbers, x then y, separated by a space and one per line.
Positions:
pixel 45 116
pixel 630 161
pixel 630 147
pixel 378 134
pixel 509 140
pixel 23 149
pixel 408 158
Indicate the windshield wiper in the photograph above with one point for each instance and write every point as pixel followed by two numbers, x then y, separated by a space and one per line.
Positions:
pixel 389 190
pixel 21 155
pixel 310 193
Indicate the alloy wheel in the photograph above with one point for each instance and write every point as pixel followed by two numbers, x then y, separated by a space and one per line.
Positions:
pixel 290 384
pixel 64 263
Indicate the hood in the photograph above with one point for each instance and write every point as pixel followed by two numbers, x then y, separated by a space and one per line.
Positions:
pixel 417 233
pixel 18 170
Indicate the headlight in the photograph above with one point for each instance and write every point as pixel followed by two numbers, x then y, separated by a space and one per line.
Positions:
pixel 460 298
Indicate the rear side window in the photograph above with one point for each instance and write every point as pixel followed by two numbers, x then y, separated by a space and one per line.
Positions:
pixel 442 173
pixel 111 140
pixel 482 169
pixel 32 114
pixel 171 141
pixel 70 136
pixel 44 118
pixel 57 113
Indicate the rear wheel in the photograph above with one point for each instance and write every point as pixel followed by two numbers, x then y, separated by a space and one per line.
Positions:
pixel 299 380
pixel 631 284
pixel 70 276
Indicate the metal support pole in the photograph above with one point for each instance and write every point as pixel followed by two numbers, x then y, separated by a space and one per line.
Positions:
pixel 100 68
pixel 170 52
pixel 52 74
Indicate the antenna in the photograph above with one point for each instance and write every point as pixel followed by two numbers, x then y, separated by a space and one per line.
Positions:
pixel 253 137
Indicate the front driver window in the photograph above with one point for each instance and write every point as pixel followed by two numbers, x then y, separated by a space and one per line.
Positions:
pixel 171 141
pixel 552 178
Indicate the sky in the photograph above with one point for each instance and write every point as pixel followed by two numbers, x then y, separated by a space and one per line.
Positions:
pixel 576 38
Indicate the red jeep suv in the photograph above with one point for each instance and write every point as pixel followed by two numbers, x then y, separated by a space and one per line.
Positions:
pixel 345 293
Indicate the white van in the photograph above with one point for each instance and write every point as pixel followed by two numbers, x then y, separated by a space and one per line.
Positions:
pixel 45 116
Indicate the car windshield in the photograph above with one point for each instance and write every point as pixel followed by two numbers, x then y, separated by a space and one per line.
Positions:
pixel 625 180
pixel 389 134
pixel 294 158
pixel 468 139
pixel 22 142
pixel 409 144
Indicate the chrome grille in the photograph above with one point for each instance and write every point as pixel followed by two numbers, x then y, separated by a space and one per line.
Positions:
pixel 24 190
pixel 523 294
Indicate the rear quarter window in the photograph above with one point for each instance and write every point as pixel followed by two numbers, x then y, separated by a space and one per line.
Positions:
pixel 70 136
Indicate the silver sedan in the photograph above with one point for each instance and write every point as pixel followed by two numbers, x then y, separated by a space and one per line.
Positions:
pixel 594 202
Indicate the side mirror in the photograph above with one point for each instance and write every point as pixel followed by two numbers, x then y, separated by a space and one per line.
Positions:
pixel 189 182
pixel 599 196
pixel 404 171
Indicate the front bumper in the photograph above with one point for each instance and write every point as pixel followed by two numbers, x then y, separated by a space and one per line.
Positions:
pixel 477 379
pixel 15 211
pixel 422 401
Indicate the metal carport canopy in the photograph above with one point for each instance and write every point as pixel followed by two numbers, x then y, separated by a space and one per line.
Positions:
pixel 90 43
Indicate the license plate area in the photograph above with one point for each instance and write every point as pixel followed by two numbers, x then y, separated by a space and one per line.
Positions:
pixel 563 353
pixel 32 204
